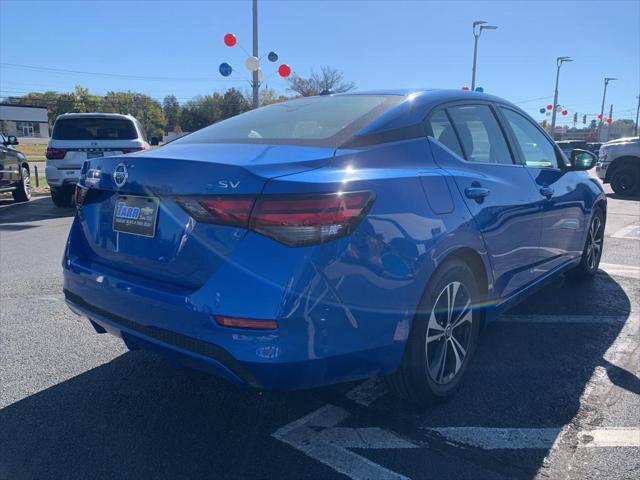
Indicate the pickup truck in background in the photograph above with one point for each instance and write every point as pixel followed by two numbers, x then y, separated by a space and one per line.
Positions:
pixel 619 165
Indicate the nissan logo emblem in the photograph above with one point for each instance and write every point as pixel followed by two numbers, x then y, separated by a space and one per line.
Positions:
pixel 120 175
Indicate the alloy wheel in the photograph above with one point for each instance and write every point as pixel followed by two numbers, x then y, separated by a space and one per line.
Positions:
pixel 449 333
pixel 594 243
pixel 26 181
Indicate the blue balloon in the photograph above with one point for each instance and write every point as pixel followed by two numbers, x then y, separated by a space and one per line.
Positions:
pixel 225 69
pixel 542 110
pixel 479 89
pixel 273 56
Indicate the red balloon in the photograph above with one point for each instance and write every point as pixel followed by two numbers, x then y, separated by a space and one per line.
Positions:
pixel 599 116
pixel 465 89
pixel 549 107
pixel 229 39
pixel 284 70
pixel 609 120
pixel 564 112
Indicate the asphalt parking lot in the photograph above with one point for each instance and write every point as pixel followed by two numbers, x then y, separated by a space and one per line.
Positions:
pixel 553 392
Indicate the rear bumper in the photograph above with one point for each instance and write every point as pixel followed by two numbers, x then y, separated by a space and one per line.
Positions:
pixel 321 348
pixel 180 348
pixel 59 177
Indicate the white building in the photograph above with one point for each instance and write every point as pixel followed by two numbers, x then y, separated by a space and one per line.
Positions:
pixel 24 121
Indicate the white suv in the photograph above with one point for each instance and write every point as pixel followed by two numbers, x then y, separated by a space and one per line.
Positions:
pixel 78 137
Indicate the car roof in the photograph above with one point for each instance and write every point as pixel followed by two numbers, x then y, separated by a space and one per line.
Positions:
pixel 417 103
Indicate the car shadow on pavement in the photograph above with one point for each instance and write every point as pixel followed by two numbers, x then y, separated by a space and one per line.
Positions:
pixel 39 208
pixel 138 417
pixel 531 375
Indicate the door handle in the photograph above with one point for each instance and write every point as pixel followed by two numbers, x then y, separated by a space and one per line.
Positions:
pixel 476 193
pixel 546 192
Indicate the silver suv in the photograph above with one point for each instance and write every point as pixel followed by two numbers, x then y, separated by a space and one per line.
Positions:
pixel 77 137
pixel 619 165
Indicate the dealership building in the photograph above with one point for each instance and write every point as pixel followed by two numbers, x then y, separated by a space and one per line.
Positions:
pixel 24 121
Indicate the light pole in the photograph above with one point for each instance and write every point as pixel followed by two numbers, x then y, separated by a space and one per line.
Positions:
pixel 604 96
pixel 637 114
pixel 559 62
pixel 478 26
pixel 255 83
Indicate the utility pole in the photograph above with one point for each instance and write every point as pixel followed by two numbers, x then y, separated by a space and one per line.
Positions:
pixel 559 62
pixel 604 96
pixel 637 114
pixel 476 34
pixel 255 84
pixel 610 123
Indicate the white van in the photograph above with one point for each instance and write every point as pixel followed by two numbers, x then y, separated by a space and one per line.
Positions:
pixel 77 137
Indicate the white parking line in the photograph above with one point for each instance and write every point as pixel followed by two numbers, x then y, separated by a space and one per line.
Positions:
pixel 617 270
pixel 630 231
pixel 611 437
pixel 561 318
pixel 317 436
pixel 543 438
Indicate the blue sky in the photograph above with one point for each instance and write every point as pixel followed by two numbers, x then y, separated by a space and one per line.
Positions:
pixel 165 47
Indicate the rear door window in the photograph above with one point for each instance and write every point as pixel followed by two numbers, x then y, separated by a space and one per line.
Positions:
pixel 480 134
pixel 439 127
pixel 96 128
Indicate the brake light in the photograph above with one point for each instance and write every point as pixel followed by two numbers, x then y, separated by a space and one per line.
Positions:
pixel 131 150
pixel 55 153
pixel 294 220
pixel 80 194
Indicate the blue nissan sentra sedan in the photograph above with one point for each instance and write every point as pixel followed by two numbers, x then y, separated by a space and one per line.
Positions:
pixel 332 238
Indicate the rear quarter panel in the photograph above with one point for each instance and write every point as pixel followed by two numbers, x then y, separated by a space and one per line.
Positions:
pixel 372 281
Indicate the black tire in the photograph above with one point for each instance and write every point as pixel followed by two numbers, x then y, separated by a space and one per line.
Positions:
pixel 421 378
pixel 22 193
pixel 592 252
pixel 61 197
pixel 625 179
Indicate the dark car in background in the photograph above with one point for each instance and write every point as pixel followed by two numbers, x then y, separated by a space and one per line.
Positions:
pixel 14 170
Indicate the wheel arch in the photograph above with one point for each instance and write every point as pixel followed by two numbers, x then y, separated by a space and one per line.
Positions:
pixel 474 260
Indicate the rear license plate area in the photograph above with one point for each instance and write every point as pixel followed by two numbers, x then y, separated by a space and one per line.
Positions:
pixel 94 155
pixel 135 215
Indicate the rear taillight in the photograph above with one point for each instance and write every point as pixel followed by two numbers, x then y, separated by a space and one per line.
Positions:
pixel 295 220
pixel 80 194
pixel 55 153
pixel 131 150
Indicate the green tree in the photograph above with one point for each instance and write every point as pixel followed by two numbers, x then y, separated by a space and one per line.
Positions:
pixel 269 96
pixel 171 110
pixel 328 79
pixel 233 103
pixel 147 110
pixel 201 111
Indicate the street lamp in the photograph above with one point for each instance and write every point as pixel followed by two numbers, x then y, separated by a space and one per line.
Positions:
pixel 478 26
pixel 559 62
pixel 604 96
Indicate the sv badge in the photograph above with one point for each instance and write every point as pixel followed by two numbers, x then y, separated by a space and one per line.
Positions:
pixel 228 184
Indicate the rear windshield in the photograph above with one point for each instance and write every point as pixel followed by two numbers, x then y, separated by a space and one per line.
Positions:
pixel 307 121
pixel 94 129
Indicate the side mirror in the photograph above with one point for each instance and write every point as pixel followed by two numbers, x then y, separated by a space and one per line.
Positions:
pixel 154 141
pixel 582 159
pixel 12 140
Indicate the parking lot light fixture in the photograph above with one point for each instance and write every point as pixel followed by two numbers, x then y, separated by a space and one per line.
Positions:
pixel 604 96
pixel 559 62
pixel 478 26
